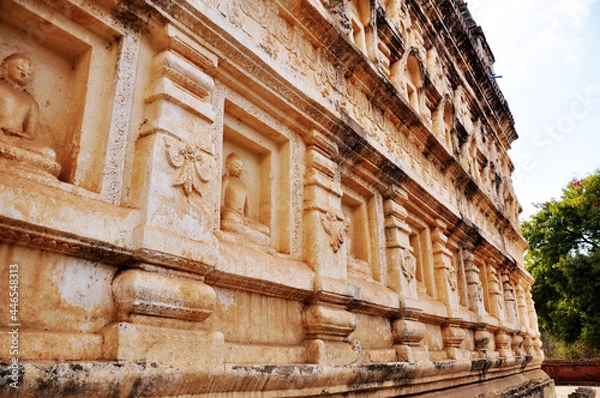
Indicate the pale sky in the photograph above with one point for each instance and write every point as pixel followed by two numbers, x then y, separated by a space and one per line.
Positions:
pixel 548 52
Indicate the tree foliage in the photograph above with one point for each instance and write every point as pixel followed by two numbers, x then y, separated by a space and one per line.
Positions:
pixel 564 258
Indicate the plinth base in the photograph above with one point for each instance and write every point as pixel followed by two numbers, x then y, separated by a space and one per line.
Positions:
pixel 148 379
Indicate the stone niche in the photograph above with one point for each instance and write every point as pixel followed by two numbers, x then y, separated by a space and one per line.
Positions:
pixel 420 242
pixel 360 215
pixel 262 216
pixel 73 55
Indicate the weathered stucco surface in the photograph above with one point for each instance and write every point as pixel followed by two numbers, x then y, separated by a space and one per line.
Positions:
pixel 252 198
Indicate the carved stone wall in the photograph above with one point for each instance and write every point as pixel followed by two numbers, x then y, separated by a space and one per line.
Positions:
pixel 258 198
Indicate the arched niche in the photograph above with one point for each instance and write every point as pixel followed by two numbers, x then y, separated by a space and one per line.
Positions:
pixel 407 76
pixel 360 14
pixel 443 121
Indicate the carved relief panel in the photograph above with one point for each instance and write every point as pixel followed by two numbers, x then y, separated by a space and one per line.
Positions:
pixel 257 202
pixel 72 56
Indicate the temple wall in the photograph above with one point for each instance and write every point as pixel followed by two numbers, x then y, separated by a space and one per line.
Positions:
pixel 258 198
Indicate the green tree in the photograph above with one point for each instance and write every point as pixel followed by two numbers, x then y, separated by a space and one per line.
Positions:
pixel 564 258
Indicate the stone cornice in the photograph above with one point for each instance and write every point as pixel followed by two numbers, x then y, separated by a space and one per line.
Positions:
pixel 37 237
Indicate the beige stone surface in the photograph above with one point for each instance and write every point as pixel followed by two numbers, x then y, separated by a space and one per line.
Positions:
pixel 258 198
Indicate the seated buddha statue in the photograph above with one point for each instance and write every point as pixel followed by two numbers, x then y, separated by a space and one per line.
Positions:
pixel 19 114
pixel 234 204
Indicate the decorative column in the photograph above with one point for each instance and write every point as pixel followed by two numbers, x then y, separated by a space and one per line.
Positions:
pixel 446 285
pixel 495 293
pixel 162 300
pixel 533 324
pixel 175 178
pixel 512 320
pixel 528 348
pixel 522 305
pixel 402 266
pixel 445 272
pixel 482 336
pixel 326 321
pixel 509 299
pixel 326 229
pixel 502 336
pixel 474 287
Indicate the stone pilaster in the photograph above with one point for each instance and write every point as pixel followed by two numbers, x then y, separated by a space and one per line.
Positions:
pixel 511 322
pixel 527 345
pixel 482 336
pixel 496 296
pixel 326 321
pixel 522 305
pixel 400 259
pixel 402 267
pixel 325 229
pixel 445 273
pixel 175 167
pixel 474 287
pixel 447 286
pixel 533 324
pixel 497 307
pixel 163 303
pixel 510 301
pixel 533 320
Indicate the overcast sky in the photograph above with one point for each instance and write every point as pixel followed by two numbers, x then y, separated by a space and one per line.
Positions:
pixel 548 52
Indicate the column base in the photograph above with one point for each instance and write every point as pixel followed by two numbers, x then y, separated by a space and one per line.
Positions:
pixel 125 341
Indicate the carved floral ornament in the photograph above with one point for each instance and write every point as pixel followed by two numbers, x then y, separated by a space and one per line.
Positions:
pixel 194 164
pixel 335 227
